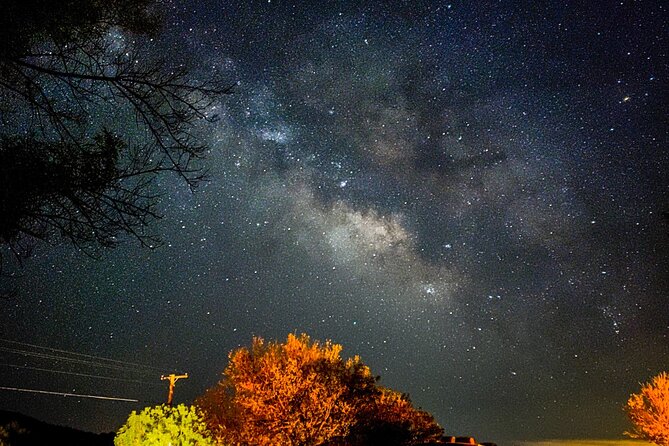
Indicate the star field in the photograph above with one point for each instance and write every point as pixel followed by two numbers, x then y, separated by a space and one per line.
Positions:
pixel 469 195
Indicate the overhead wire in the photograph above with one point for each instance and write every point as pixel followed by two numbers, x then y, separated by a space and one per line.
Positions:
pixel 73 360
pixel 87 375
pixel 80 359
pixel 83 355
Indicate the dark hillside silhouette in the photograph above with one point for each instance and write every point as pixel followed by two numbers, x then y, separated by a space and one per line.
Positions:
pixel 21 430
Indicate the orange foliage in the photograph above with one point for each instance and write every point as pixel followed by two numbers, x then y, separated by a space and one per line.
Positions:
pixel 302 392
pixel 296 393
pixel 649 411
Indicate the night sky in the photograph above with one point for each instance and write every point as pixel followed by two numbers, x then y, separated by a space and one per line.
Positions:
pixel 471 196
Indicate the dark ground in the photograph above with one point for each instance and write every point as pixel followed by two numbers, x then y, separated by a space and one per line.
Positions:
pixel 20 430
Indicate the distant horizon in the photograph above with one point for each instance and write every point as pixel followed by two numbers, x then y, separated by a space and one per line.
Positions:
pixel 580 442
pixel 543 442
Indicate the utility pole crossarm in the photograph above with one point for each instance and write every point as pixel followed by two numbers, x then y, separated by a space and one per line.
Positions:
pixel 172 378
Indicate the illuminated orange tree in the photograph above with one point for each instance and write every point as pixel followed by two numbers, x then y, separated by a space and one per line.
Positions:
pixel 649 411
pixel 301 392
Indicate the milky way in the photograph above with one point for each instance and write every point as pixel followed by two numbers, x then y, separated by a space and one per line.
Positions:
pixel 470 197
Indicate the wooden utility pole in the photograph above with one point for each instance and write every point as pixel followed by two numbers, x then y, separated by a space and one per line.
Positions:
pixel 172 379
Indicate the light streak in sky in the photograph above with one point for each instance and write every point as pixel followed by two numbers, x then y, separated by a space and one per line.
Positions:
pixel 48 392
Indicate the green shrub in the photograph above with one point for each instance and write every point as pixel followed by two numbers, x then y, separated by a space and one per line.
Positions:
pixel 164 425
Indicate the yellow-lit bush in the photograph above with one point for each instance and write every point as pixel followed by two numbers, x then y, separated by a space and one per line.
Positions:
pixel 164 425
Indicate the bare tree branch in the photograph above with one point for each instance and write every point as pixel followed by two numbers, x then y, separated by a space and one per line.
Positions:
pixel 68 72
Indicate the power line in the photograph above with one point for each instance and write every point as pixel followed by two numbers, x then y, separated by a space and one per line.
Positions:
pixel 48 392
pixel 99 358
pixel 79 374
pixel 73 360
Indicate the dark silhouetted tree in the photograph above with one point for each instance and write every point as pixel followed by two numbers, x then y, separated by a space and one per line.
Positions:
pixel 390 419
pixel 90 115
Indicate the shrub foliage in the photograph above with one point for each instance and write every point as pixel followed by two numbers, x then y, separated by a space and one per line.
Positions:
pixel 649 411
pixel 302 392
pixel 162 425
